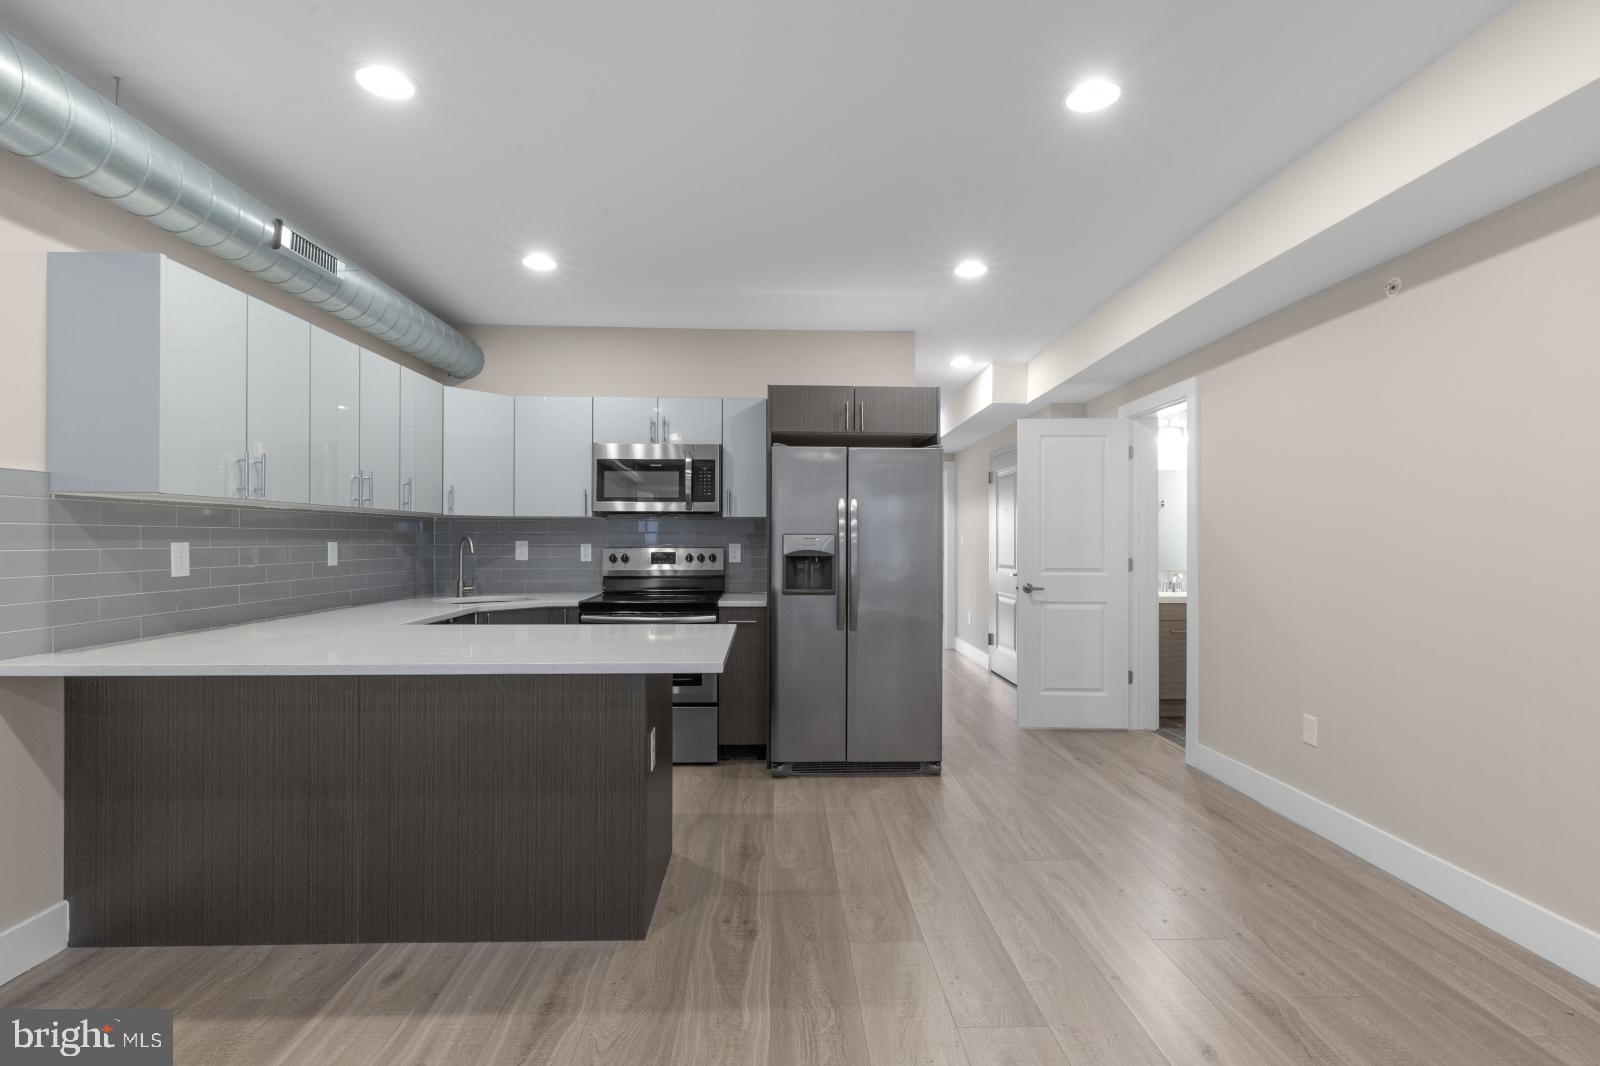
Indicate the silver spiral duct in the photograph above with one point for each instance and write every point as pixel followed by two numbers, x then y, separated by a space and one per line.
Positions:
pixel 50 117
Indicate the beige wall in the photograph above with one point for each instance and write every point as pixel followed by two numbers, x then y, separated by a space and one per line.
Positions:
pixel 583 361
pixel 972 535
pixel 1395 517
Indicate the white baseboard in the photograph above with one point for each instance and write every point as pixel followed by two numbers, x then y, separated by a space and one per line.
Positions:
pixel 32 940
pixel 976 654
pixel 1545 933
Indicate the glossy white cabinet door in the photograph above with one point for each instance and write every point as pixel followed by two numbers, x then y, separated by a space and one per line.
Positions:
pixel 202 384
pixel 421 443
pixel 479 433
pixel 690 420
pixel 554 456
pixel 378 464
pixel 335 419
pixel 744 458
pixel 625 420
pixel 278 402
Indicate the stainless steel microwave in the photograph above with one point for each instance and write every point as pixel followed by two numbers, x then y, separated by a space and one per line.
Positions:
pixel 657 479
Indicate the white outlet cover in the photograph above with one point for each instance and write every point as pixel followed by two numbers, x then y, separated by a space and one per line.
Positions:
pixel 522 551
pixel 586 553
pixel 735 553
pixel 333 553
pixel 180 558
pixel 1308 729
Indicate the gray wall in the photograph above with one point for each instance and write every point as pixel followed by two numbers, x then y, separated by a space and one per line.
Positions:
pixel 80 571
pixel 553 549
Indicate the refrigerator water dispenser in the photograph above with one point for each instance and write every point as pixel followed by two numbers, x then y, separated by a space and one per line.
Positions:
pixel 808 560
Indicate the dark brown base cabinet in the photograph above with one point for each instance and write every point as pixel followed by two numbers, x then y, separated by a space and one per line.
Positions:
pixel 744 694
pixel 1174 651
pixel 315 810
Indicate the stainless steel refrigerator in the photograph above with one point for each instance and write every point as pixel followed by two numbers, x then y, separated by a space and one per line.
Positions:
pixel 856 609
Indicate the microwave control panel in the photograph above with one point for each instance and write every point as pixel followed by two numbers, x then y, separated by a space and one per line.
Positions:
pixel 703 480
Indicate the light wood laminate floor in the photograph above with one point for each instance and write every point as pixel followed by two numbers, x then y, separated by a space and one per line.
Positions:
pixel 1053 898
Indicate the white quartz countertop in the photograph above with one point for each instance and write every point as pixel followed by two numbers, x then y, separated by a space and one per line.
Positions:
pixel 395 638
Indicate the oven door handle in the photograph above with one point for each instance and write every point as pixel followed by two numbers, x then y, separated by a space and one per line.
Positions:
pixel 600 619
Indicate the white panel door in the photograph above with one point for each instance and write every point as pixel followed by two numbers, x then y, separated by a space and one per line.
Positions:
pixel 625 420
pixel 554 457
pixel 335 419
pixel 1073 552
pixel 278 402
pixel 421 443
pixel 1003 566
pixel 378 468
pixel 202 384
pixel 479 449
pixel 690 420
pixel 744 458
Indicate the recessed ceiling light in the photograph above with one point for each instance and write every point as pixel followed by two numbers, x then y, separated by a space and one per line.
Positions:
pixel 386 82
pixel 1095 94
pixel 971 268
pixel 543 262
pixel 961 362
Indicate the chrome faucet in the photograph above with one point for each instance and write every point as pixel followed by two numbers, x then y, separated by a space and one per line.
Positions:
pixel 462 588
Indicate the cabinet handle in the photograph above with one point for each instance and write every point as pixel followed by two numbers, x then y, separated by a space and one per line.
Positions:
pixel 261 490
pixel 727 507
pixel 586 502
pixel 652 429
pixel 372 484
pixel 451 502
pixel 847 414
pixel 741 622
pixel 243 491
pixel 356 481
pixel 861 415
pixel 410 501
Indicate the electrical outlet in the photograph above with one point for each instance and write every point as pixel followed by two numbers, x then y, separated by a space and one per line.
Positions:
pixel 522 551
pixel 586 553
pixel 961 541
pixel 180 558
pixel 1308 729
pixel 333 553
pixel 735 553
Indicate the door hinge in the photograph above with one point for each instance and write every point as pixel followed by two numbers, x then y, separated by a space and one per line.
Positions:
pixel 1130 451
pixel 1130 564
pixel 1130 677
pixel 991 477
pixel 990 640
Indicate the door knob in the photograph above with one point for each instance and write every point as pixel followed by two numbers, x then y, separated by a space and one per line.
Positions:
pixel 1027 587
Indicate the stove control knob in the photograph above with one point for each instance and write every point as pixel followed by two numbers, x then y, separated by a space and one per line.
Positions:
pixel 701 558
pixel 613 556
pixel 713 556
pixel 624 556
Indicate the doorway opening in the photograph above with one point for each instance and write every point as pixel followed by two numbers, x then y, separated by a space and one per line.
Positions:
pixel 1003 564
pixel 1170 414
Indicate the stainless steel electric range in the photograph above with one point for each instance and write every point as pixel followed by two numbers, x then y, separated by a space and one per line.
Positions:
pixel 665 584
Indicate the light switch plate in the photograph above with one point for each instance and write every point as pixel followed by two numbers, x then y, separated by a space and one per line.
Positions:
pixel 1308 729
pixel 735 553
pixel 333 553
pixel 586 553
pixel 522 551
pixel 180 558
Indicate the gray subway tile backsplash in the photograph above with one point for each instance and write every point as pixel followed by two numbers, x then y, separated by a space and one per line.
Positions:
pixel 79 571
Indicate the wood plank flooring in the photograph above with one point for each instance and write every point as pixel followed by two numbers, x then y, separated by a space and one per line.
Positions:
pixel 1053 898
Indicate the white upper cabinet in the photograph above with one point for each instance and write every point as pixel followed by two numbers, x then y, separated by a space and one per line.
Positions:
pixel 202 384
pixel 278 402
pixel 377 466
pixel 625 420
pixel 690 419
pixel 146 377
pixel 479 443
pixel 421 443
pixel 744 458
pixel 554 457
pixel 335 441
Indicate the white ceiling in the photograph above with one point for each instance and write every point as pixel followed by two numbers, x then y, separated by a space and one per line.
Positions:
pixel 750 163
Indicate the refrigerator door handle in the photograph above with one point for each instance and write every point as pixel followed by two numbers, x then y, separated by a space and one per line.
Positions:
pixel 839 592
pixel 855 556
